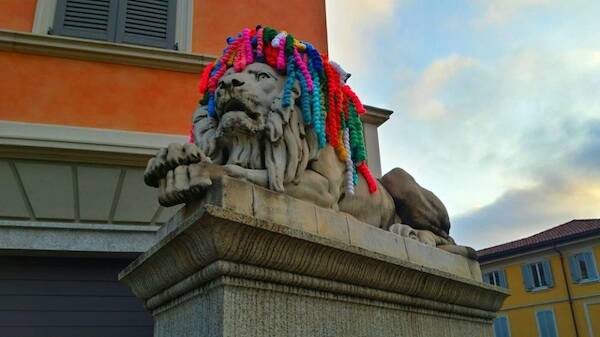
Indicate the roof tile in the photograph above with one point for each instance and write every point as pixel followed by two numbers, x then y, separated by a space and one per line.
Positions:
pixel 572 228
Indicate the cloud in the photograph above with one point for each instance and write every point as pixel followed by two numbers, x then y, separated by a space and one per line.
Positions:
pixel 422 97
pixel 568 188
pixel 499 12
pixel 354 25
pixel 523 212
pixel 498 122
pixel 488 138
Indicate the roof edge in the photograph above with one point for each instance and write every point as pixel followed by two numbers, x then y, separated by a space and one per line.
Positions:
pixel 546 244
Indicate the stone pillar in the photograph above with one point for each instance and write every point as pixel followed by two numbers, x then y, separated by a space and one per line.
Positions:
pixel 246 261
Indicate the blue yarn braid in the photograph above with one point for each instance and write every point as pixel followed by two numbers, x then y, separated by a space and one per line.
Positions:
pixel 289 83
pixel 304 97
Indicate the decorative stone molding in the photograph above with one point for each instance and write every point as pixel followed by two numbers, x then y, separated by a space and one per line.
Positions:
pixel 100 51
pixel 242 245
pixel 75 237
pixel 79 138
pixel 376 116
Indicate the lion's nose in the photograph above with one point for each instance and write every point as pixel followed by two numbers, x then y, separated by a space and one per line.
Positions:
pixel 236 83
pixel 229 83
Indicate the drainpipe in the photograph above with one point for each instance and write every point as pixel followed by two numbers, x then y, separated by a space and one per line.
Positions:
pixel 564 272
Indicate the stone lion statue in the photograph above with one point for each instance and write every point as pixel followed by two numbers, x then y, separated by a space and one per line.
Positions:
pixel 246 130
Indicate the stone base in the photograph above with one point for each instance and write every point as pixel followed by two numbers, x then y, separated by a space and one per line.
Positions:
pixel 245 261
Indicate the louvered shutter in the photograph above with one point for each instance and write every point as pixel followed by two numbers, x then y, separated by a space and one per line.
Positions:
pixel 574 266
pixel 501 327
pixel 502 276
pixel 588 257
pixel 548 273
pixel 147 22
pixel 527 277
pixel 546 323
pixel 486 278
pixel 90 19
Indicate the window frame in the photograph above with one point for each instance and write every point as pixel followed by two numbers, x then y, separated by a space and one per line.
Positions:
pixel 495 277
pixel 45 13
pixel 594 265
pixel 539 263
pixel 539 274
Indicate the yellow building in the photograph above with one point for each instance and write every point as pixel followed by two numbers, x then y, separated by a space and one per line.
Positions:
pixel 553 279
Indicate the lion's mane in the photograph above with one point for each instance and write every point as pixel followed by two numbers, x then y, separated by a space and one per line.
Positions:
pixel 284 147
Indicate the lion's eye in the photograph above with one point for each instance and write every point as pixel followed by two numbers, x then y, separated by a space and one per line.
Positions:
pixel 262 76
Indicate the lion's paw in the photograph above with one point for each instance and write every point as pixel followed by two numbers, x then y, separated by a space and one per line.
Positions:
pixel 180 184
pixel 169 158
pixel 404 230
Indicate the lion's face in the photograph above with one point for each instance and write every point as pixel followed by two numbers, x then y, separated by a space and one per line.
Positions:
pixel 252 129
pixel 243 99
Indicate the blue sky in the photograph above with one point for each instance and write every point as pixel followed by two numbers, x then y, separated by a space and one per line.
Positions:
pixel 496 104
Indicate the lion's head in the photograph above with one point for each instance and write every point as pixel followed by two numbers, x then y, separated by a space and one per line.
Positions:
pixel 252 129
pixel 250 113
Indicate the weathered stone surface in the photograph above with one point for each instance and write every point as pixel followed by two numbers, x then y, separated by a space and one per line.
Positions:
pixel 283 210
pixel 332 225
pixel 421 254
pixel 376 240
pixel 221 270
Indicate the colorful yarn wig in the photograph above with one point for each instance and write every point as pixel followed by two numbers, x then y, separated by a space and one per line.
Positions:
pixel 327 103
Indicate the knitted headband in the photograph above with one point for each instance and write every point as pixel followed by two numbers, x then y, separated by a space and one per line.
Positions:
pixel 327 103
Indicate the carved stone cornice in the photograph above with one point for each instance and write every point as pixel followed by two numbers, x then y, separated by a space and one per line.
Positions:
pixel 240 231
pixel 375 115
pixel 100 51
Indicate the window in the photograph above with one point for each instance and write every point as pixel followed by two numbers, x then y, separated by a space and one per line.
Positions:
pixel 537 276
pixel 496 278
pixel 501 328
pixel 583 267
pixel 142 22
pixel 546 324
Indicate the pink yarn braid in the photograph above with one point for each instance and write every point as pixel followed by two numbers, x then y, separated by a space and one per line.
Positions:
pixel 281 56
pixel 191 135
pixel 212 82
pixel 239 62
pixel 303 69
pixel 248 45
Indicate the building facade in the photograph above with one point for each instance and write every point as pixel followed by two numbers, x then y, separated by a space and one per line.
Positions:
pixel 553 278
pixel 90 90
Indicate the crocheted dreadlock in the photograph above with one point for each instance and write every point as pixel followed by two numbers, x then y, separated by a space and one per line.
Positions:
pixel 327 103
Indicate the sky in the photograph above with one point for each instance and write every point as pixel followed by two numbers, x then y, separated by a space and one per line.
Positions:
pixel 496 104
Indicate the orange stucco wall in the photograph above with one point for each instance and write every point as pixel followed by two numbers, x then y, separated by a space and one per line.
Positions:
pixel 54 90
pixel 50 90
pixel 215 20
pixel 17 14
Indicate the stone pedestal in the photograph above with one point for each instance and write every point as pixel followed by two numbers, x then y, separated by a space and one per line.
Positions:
pixel 246 261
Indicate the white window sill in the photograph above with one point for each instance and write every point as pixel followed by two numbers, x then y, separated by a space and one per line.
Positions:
pixel 101 51
pixel 540 289
pixel 588 281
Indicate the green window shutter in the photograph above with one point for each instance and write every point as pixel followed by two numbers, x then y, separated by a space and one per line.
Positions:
pixel 588 257
pixel 548 273
pixel 574 266
pixel 147 22
pixel 503 282
pixel 527 277
pixel 90 19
